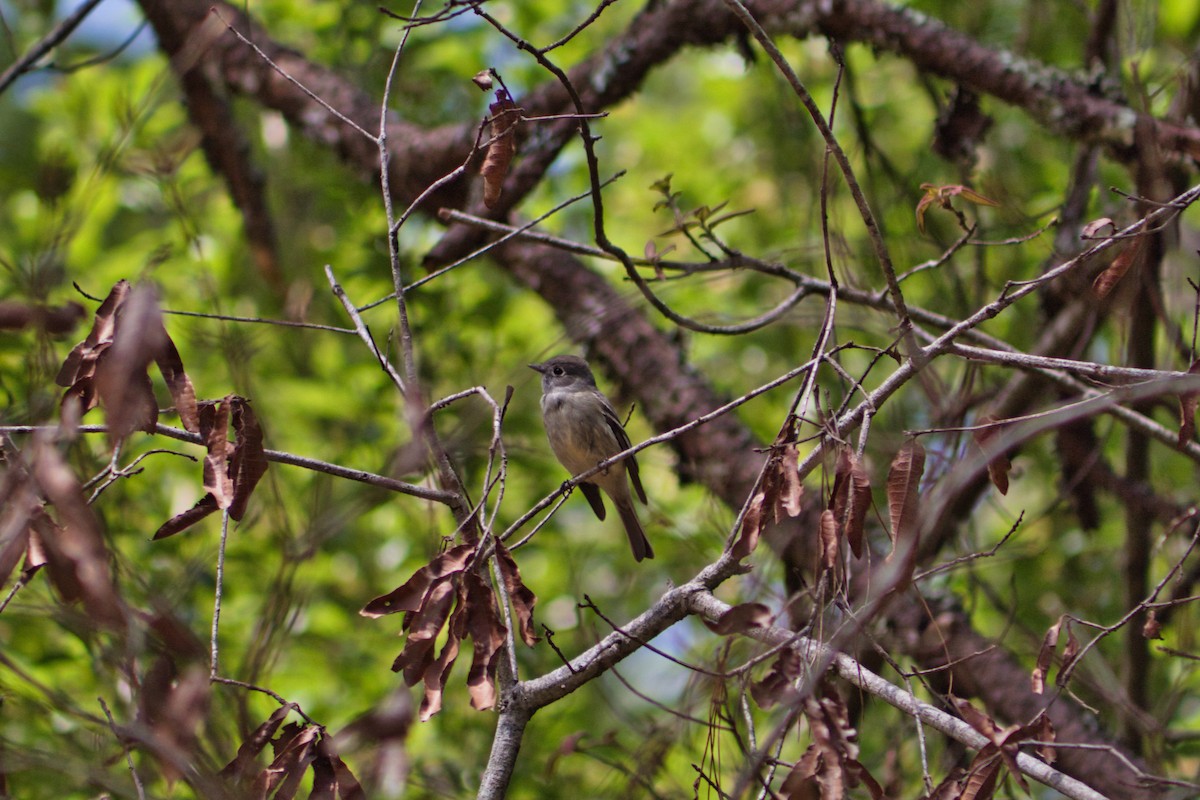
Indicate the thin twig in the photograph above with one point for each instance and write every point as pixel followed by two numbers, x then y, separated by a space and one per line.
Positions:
pixel 55 37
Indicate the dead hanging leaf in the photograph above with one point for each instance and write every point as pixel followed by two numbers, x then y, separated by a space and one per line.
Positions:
pixel 445 594
pixel 438 670
pixel 185 519
pixel 978 720
pixel 1152 628
pixel 1069 654
pixel 860 502
pixel 998 465
pixel 502 148
pixel 243 766
pixel 75 552
pixel 408 596
pixel 1188 402
pixel 829 540
pixel 422 627
pixel 801 781
pixel 941 195
pixel 829 767
pixel 177 719
pixel 752 525
pixel 1093 228
pixel 54 320
pixel 110 365
pixel 790 490
pixel 231 471
pixel 214 428
pixel 170 364
pixel 850 499
pixel 122 379
pixel 950 788
pixel 483 79
pixel 981 777
pixel 741 618
pixel 1045 657
pixel 903 484
pixel 19 504
pixel 778 496
pixel 1111 276
pixel 332 779
pixel 839 495
pixel 1043 731
pixel 78 371
pixel 487 633
pixel 777 685
pixel 248 462
pixel 294 751
pixel 523 600
pixel 1001 750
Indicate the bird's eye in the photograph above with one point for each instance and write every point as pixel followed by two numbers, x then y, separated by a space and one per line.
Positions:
pixel 558 370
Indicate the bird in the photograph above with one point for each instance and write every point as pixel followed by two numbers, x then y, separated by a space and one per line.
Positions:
pixel 584 430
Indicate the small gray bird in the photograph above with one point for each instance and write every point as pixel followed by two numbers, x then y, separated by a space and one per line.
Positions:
pixel 584 430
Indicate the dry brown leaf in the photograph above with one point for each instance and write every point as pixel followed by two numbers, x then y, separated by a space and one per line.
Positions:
pixel 241 768
pixel 1093 228
pixel 121 378
pixel 214 429
pixel 294 752
pixel 15 316
pixel 348 787
pixel 857 773
pixel 741 618
pixel 859 503
pixel 752 525
pixel 502 148
pixel 801 781
pixel 776 686
pixel 790 490
pixel 80 365
pixel 438 671
pixel 332 779
pixel 523 600
pixel 423 626
pixel 839 495
pixel 170 364
pixel 19 504
pixel 1069 654
pixel 409 595
pixel 185 519
pixel 998 465
pixel 1111 276
pixel 248 462
pixel 487 633
pixel 903 484
pixel 829 540
pixel 75 552
pixel 976 718
pixel 940 196
pixel 850 499
pixel 1044 732
pixel 179 714
pixel 1045 657
pixel 1152 628
pixel 110 365
pixel 981 778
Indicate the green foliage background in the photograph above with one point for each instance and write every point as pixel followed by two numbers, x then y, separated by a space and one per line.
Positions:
pixel 103 180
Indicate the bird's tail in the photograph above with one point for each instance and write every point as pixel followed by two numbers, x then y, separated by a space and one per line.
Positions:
pixel 633 529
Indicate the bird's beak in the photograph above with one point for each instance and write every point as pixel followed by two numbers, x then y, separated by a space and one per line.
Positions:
pixel 538 367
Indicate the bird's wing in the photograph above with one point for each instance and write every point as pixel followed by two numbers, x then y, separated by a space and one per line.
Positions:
pixel 614 424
